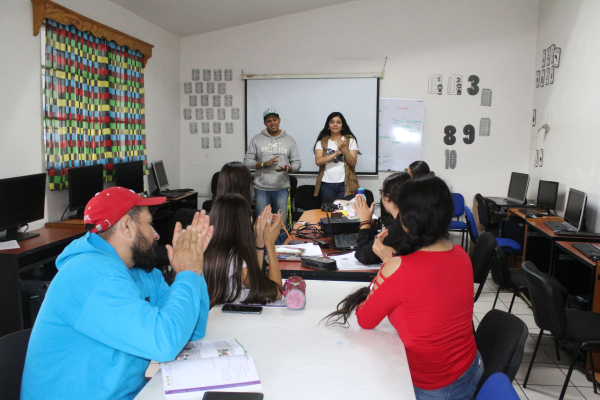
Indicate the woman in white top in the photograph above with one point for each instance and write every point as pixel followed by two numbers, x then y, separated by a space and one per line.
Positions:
pixel 233 258
pixel 336 153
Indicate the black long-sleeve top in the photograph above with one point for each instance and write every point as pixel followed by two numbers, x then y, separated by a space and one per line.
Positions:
pixel 366 238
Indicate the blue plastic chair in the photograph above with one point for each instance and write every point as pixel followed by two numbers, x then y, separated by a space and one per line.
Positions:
pixel 458 225
pixel 497 387
pixel 507 245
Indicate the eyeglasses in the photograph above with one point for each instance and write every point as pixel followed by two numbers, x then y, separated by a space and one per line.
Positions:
pixel 380 192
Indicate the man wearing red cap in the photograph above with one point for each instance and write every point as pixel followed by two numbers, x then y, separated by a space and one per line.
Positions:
pixel 107 312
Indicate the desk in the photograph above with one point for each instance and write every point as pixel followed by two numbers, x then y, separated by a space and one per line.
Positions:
pixel 540 228
pixel 289 268
pixel 515 213
pixel 162 217
pixel 594 290
pixel 36 253
pixel 297 358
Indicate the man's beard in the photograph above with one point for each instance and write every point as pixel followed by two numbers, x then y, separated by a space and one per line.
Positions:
pixel 143 255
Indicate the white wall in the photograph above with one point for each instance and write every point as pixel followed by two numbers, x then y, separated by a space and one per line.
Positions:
pixel 492 39
pixel 570 105
pixel 21 139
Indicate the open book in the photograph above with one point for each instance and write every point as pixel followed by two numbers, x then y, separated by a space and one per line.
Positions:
pixel 216 365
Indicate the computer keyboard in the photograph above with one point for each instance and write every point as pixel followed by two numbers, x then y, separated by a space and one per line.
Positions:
pixel 557 226
pixel 529 212
pixel 171 194
pixel 578 234
pixel 590 250
pixel 346 241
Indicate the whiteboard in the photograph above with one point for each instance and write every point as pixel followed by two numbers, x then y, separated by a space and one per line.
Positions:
pixel 400 133
pixel 303 106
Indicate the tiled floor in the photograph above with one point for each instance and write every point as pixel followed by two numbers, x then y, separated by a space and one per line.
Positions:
pixel 548 374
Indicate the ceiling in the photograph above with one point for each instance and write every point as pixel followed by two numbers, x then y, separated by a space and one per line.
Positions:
pixel 193 17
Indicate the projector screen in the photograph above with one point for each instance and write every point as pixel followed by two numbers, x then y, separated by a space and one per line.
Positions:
pixel 303 106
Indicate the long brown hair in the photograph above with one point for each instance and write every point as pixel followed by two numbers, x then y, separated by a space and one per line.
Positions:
pixel 235 177
pixel 233 244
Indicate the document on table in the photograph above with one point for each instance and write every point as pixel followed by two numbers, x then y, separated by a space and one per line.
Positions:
pixel 217 365
pixel 310 249
pixel 10 244
pixel 211 348
pixel 348 262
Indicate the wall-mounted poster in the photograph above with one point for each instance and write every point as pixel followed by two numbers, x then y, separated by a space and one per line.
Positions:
pixel 229 127
pixel 193 127
pixel 216 127
pixel 435 84
pixel 556 57
pixel 486 97
pixel 187 113
pixel 205 142
pixel 199 87
pixel 537 78
pixel 187 87
pixel 455 84
pixel 210 87
pixel 195 74
pixel 206 74
pixel 217 74
pixel 228 74
pixel 199 113
pixel 206 127
pixel 217 142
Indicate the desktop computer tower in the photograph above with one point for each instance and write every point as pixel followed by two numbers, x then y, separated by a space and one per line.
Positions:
pixel 32 295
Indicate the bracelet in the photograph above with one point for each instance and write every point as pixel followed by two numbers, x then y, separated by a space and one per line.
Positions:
pixel 259 248
pixel 367 222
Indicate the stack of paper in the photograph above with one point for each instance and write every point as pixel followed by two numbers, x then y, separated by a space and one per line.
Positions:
pixel 217 365
pixel 294 251
pixel 347 262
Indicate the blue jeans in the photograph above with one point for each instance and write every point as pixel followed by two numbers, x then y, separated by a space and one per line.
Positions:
pixel 278 199
pixel 330 190
pixel 461 389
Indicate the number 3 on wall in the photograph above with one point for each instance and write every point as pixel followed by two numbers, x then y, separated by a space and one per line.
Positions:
pixel 474 89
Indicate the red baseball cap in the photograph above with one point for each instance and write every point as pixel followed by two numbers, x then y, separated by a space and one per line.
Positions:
pixel 107 207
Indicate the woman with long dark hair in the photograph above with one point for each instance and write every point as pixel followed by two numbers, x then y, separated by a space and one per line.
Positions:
pixel 393 229
pixel 426 291
pixel 336 153
pixel 235 177
pixel 419 168
pixel 233 258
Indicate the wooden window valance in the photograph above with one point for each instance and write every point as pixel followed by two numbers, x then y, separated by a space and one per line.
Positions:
pixel 43 9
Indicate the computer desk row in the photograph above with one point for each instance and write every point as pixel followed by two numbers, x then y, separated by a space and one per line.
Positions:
pixel 566 271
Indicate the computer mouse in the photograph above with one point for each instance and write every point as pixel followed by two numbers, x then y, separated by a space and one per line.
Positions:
pixel 595 258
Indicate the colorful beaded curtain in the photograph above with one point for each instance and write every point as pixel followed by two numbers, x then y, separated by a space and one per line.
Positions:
pixel 94 109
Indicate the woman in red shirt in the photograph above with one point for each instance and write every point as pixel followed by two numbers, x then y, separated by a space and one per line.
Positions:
pixel 426 291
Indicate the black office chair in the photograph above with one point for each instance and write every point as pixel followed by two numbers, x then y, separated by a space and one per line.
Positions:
pixel 514 278
pixel 207 204
pixel 305 200
pixel 293 187
pixel 13 349
pixel 573 329
pixel 185 216
pixel 482 259
pixel 485 215
pixel 500 339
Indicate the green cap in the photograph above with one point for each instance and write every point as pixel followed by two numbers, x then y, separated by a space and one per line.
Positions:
pixel 270 111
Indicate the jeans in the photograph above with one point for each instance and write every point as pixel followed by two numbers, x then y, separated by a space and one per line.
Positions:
pixel 278 199
pixel 461 389
pixel 333 190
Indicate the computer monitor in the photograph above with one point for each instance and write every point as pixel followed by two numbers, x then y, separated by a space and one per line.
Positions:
pixel 21 201
pixel 130 175
pixel 84 183
pixel 160 174
pixel 575 209
pixel 547 195
pixel 517 190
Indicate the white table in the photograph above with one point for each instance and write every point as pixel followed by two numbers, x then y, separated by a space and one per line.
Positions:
pixel 299 358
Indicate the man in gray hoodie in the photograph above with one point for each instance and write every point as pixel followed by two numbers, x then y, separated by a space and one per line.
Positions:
pixel 274 155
